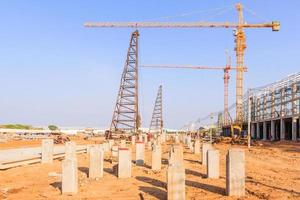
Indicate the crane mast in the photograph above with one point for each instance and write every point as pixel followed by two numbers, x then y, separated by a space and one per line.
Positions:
pixel 240 42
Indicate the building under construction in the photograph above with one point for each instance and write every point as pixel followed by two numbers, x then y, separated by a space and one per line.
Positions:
pixel 275 110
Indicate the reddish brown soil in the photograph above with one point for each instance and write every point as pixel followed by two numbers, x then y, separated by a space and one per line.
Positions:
pixel 272 169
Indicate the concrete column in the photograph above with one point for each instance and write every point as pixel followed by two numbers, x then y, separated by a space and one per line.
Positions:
pixel 213 163
pixel 257 131
pixel 235 172
pixel 123 144
pixel 70 150
pixel 205 148
pixel 96 162
pixel 197 147
pixel 282 129
pixel 69 176
pixel 156 158
pixel 176 155
pixel 252 129
pixel 264 130
pixel 47 150
pixel 272 130
pixel 294 129
pixel 133 138
pixel 124 163
pixel 140 153
pixel 176 182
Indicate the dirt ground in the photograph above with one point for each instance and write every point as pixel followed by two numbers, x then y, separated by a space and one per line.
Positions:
pixel 272 169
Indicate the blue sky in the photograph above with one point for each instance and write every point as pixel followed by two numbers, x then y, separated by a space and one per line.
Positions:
pixel 55 71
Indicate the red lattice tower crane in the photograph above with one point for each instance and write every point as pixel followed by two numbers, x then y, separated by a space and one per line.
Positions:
pixel 240 42
pixel 126 113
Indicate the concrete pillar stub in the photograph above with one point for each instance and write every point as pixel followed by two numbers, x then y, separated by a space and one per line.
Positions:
pixel 197 147
pixel 70 150
pixel 69 176
pixel 282 129
pixel 213 164
pixel 140 153
pixel 96 159
pixel 133 138
pixel 294 128
pixel 272 130
pixel 156 157
pixel 235 172
pixel 176 155
pixel 124 163
pixel 205 148
pixel 47 150
pixel 176 182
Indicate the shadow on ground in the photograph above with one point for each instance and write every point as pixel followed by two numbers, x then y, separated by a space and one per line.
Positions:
pixel 154 182
pixel 194 173
pixel 153 191
pixel 203 186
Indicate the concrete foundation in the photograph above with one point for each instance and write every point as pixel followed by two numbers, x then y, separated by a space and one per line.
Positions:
pixel 47 150
pixel 197 147
pixel 176 182
pixel 213 164
pixel 205 148
pixel 69 176
pixel 235 172
pixel 70 150
pixel 124 163
pixel 140 153
pixel 156 157
pixel 96 162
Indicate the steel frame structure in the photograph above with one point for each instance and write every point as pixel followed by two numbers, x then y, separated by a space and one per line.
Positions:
pixel 126 112
pixel 156 124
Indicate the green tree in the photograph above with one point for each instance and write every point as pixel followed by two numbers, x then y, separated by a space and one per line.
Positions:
pixel 52 127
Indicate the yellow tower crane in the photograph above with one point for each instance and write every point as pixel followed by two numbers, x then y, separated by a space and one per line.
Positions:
pixel 239 34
